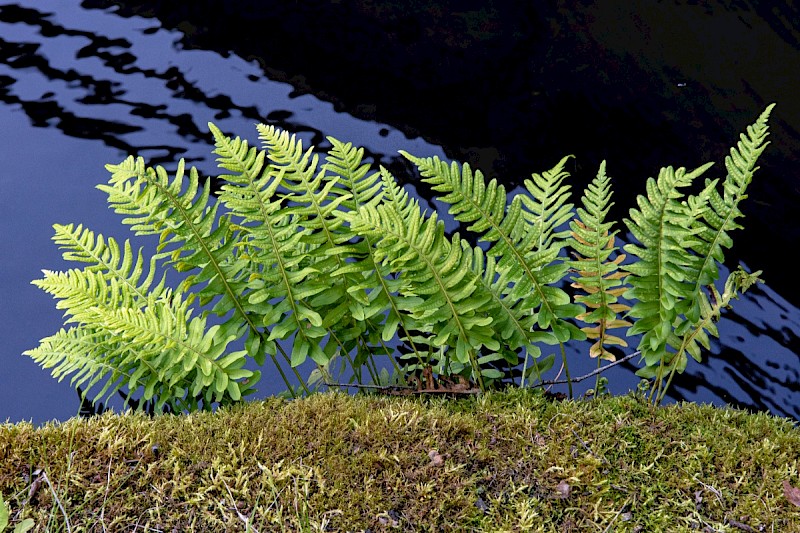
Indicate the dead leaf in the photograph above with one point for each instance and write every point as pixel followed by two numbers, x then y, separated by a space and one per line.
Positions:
pixel 436 459
pixel 792 494
pixel 564 490
pixel 386 519
pixel 38 478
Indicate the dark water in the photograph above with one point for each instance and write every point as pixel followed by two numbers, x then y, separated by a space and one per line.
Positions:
pixel 81 85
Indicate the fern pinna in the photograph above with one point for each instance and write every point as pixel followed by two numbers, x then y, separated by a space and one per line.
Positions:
pixel 302 258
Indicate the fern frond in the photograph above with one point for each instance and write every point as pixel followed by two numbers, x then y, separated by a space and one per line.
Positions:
pixel 547 207
pixel 597 275
pixel 356 182
pixel 174 350
pixel 87 353
pixel 436 270
pixel 155 345
pixel 383 309
pixel 385 291
pixel 299 173
pixel 523 237
pixel 663 226
pixel 714 216
pixel 81 245
pixel 723 209
pixel 179 212
pixel 274 238
pixel 711 306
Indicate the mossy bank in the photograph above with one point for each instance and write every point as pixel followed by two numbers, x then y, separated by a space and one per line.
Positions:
pixel 511 461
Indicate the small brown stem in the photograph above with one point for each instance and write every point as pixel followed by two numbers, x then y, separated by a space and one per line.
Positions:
pixel 587 376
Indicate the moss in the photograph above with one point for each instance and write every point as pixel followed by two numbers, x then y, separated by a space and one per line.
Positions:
pixel 508 461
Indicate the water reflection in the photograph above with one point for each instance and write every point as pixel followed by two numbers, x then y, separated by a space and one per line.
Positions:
pixel 127 86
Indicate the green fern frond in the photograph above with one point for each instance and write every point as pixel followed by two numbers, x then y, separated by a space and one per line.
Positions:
pixel 524 237
pixel 515 325
pixel 436 270
pixel 714 217
pixel 81 245
pixel 88 353
pixel 356 182
pixel 711 306
pixel 383 302
pixel 385 290
pixel 597 275
pixel 547 207
pixel 723 209
pixel 298 171
pixel 154 344
pixel 274 240
pixel 179 212
pixel 342 297
pixel 663 226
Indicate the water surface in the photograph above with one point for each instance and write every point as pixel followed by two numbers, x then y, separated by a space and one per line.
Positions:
pixel 81 87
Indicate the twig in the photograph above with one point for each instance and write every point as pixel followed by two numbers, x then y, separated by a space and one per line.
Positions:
pixel 248 526
pixel 611 523
pixel 540 384
pixel 740 525
pixel 105 498
pixel 601 459
pixel 587 376
pixel 376 387
pixel 43 475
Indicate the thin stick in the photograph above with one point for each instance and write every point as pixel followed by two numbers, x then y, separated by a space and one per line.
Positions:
pixel 587 376
pixel 55 497
pixel 377 387
pixel 602 459
pixel 540 384
pixel 247 525
pixel 608 527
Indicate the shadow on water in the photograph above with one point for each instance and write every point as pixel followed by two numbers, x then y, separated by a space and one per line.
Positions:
pixel 74 74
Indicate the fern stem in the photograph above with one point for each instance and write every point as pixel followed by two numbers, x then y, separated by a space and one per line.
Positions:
pixel 476 370
pixel 524 370
pixel 374 372
pixel 665 388
pixel 370 362
pixel 655 390
pixel 397 370
pixel 356 371
pixel 566 368
pixel 280 371
pixel 597 379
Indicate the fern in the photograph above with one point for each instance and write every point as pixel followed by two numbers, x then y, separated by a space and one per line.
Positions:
pixel 723 209
pixel 714 217
pixel 339 260
pixel 273 237
pixel 383 308
pixel 663 226
pixel 682 246
pixel 342 297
